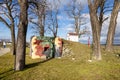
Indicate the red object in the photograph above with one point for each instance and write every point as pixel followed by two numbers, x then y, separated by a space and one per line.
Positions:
pixel 37 42
pixel 89 42
pixel 39 47
pixel 39 50
pixel 60 41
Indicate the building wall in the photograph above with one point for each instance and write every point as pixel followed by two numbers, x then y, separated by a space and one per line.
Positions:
pixel 73 38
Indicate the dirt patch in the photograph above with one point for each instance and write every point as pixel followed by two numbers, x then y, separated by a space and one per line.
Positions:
pixel 4 51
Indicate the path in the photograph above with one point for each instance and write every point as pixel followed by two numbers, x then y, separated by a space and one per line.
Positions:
pixel 4 51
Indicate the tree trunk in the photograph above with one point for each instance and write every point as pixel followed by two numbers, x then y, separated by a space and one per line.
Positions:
pixel 95 24
pixel 56 24
pixel 41 19
pixel 77 27
pixel 96 46
pixel 56 30
pixel 42 30
pixel 21 38
pixel 112 25
pixel 41 24
pixel 96 37
pixel 13 39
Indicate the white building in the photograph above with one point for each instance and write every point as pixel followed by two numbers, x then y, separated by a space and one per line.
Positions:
pixel 73 37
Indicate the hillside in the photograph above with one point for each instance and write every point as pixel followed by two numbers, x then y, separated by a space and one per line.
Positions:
pixel 78 51
pixel 65 68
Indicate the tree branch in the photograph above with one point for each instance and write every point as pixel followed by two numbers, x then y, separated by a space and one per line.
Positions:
pixel 4 21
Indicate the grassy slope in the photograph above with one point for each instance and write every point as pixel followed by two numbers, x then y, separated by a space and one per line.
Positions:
pixel 64 68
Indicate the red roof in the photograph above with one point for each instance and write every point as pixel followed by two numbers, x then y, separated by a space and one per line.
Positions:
pixel 72 33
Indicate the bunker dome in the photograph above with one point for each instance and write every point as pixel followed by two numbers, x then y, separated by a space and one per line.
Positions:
pixel 41 47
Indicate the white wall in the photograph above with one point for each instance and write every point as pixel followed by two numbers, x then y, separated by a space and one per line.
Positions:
pixel 73 38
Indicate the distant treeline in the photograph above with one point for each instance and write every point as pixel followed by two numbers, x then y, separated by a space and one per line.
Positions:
pixel 116 43
pixel 6 40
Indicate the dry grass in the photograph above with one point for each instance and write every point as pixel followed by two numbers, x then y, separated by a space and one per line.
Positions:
pixel 65 68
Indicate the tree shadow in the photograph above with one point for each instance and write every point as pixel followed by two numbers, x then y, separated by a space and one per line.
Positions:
pixel 11 71
pixel 6 73
pixel 36 64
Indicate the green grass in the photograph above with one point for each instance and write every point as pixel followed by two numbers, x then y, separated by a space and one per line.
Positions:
pixel 64 68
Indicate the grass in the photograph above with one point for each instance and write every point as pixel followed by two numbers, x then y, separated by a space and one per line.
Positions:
pixel 65 68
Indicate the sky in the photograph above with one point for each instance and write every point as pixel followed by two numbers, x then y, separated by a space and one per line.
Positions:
pixel 65 25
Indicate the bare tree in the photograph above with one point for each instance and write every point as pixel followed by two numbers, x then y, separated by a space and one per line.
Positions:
pixel 96 27
pixel 41 17
pixel 47 17
pixel 104 7
pixel 8 15
pixel 40 11
pixel 21 38
pixel 52 17
pixel 74 11
pixel 112 25
pixel 97 10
